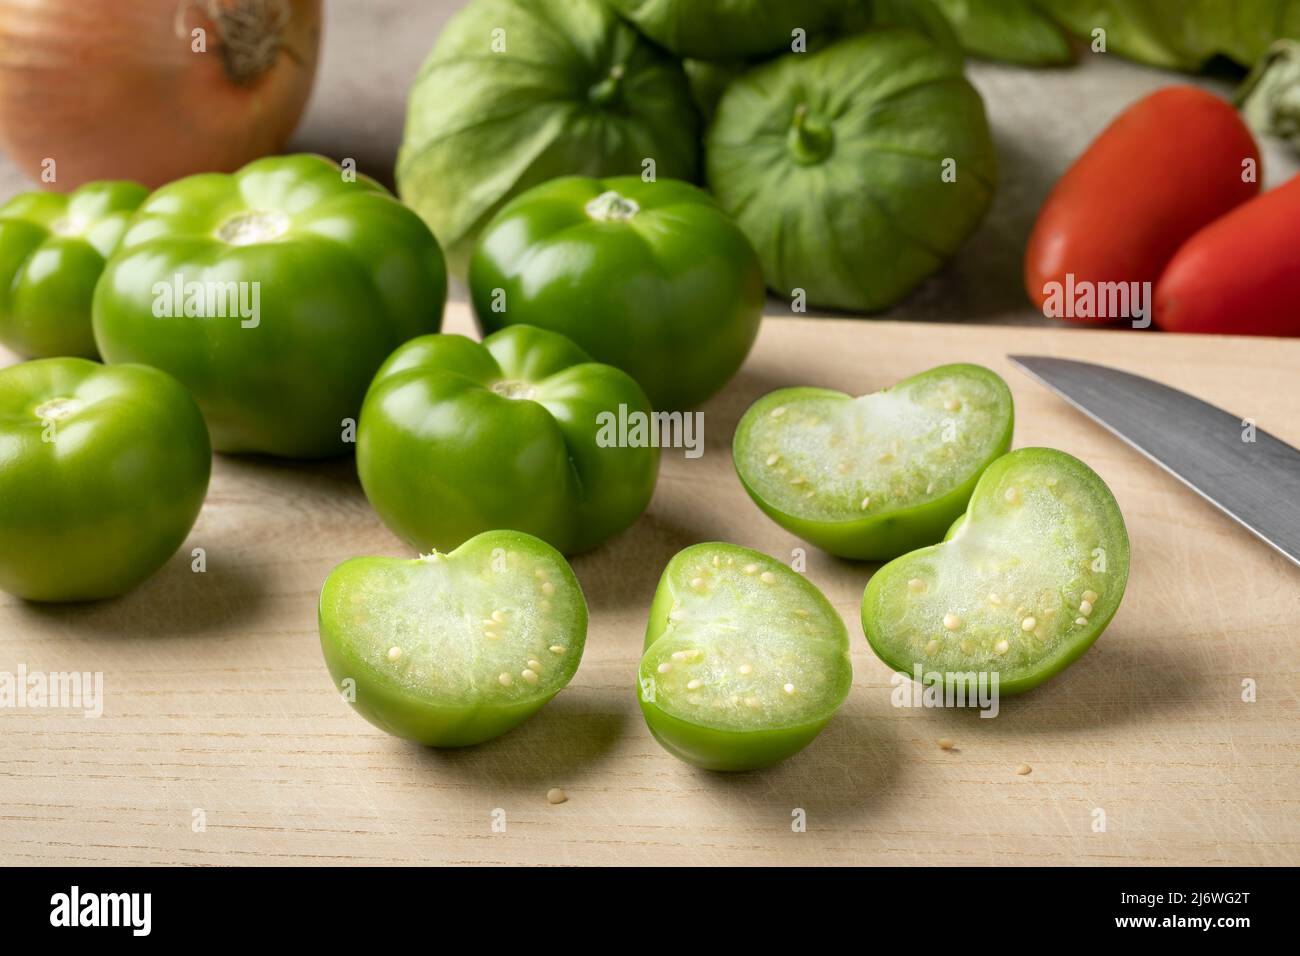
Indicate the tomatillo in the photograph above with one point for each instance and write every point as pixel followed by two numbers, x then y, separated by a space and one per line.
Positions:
pixel 523 431
pixel 1024 583
pixel 649 276
pixel 745 660
pixel 272 294
pixel 103 470
pixel 52 251
pixel 454 649
pixel 874 476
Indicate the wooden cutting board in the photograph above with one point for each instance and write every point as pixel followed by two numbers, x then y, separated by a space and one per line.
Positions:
pixel 223 741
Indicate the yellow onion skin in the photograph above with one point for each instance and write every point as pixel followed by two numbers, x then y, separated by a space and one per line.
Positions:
pixel 114 89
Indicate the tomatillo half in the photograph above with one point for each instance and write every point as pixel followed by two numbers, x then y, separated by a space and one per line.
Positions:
pixel 1023 584
pixel 745 660
pixel 522 431
pixel 649 276
pixel 874 476
pixel 454 649
pixel 103 470
pixel 52 251
pixel 272 294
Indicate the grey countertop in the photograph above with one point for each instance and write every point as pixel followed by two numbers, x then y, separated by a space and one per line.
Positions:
pixel 1041 120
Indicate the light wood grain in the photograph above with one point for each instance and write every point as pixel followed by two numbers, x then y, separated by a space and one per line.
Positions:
pixel 217 699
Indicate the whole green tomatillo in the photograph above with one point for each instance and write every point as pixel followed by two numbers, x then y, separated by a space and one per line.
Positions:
pixel 52 251
pixel 649 276
pixel 520 432
pixel 273 294
pixel 103 470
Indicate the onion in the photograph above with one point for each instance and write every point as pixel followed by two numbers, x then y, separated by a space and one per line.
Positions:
pixel 114 89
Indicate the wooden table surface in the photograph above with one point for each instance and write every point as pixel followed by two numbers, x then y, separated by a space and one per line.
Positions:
pixel 222 739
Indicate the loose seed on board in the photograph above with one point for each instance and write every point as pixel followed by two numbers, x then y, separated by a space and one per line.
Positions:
pixel 556 796
pixel 1024 769
pixel 945 743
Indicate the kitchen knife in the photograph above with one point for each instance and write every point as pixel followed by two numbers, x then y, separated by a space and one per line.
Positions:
pixel 1245 472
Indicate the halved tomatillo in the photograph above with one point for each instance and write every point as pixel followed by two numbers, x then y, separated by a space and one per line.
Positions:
pixel 1023 584
pixel 875 476
pixel 745 660
pixel 454 649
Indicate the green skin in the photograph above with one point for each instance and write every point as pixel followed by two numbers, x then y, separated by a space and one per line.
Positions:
pixel 345 274
pixel 727 748
pixel 888 590
pixel 743 29
pixel 839 166
pixel 517 92
pixel 725 31
pixel 457 438
pixel 651 277
pixel 103 470
pixel 897 526
pixel 467 704
pixel 1017 31
pixel 52 252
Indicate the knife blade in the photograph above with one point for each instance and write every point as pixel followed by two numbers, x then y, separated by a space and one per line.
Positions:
pixel 1245 472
